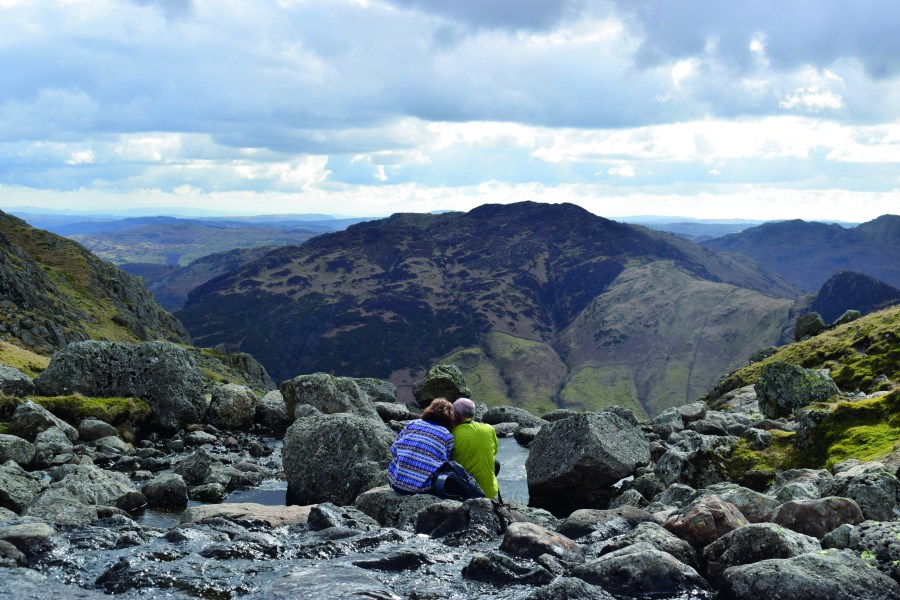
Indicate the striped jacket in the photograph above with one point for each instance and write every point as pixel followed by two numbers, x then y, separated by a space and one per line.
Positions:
pixel 418 452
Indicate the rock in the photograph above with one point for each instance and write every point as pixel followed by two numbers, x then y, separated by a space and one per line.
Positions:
pixel 832 574
pixel 441 381
pixel 26 584
pixel 847 317
pixel 572 462
pixel 195 468
pixel 705 520
pixel 801 484
pixel 469 523
pixel 505 430
pixel 649 532
pixel 18 488
pixel 328 394
pixel 391 411
pixel 569 588
pixel 512 414
pixel 875 542
pixel 325 515
pixel 783 387
pixel 29 419
pixel 233 407
pixel 872 486
pixel 210 492
pixel 272 413
pixel 762 354
pixel 499 570
pixel 559 414
pixel 527 540
pixel 756 507
pixel 641 571
pixel 808 325
pixel 818 516
pixel 753 543
pixel 161 373
pixel 677 495
pixel 629 497
pixel 696 460
pixel 391 509
pixel 603 524
pixel 335 457
pixel 14 382
pixel 91 429
pixel 50 444
pixel 525 435
pixel 200 438
pixel 272 516
pixel 694 411
pixel 315 583
pixel 112 445
pixel 378 390
pixel 61 507
pixel 400 559
pixel 622 412
pixel 166 491
pixel 94 486
pixel 16 449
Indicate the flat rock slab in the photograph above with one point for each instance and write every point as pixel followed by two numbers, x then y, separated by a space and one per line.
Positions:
pixel 273 516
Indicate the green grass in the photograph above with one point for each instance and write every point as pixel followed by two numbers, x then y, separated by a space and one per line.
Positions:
pixel 115 411
pixel 593 388
pixel 780 455
pixel 30 363
pixel 484 380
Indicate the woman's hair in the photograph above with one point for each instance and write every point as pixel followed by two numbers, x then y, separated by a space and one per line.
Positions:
pixel 439 412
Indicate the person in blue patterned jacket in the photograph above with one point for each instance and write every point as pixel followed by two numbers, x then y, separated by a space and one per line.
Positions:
pixel 423 446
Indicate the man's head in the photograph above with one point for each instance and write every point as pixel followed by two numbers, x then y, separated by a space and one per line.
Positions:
pixel 463 409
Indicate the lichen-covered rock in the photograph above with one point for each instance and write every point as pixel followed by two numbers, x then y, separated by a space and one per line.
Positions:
pixel 18 488
pixel 817 517
pixel 649 532
pixel 875 542
pixel 808 325
pixel 272 413
pixel 328 394
pixel 528 540
pixel 783 387
pixel 161 373
pixel 14 382
pixel 753 543
pixel 334 458
pixel 441 381
pixel 378 390
pixel 166 491
pixel 756 507
pixel 29 419
pixel 512 414
pixel 391 509
pixel 232 407
pixel 832 574
pixel 695 460
pixel 573 462
pixel 16 449
pixel 603 524
pixel 91 429
pixel 872 486
pixel 705 520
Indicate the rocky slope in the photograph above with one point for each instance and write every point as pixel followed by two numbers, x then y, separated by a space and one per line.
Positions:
pixel 807 254
pixel 852 291
pixel 511 293
pixel 53 292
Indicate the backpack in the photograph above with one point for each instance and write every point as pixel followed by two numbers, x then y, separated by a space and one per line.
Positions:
pixel 452 481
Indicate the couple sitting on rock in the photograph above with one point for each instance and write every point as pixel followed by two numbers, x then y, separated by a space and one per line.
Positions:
pixel 428 458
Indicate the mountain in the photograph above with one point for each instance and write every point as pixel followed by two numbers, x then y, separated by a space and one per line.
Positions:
pixel 523 297
pixel 853 291
pixel 53 292
pixel 808 253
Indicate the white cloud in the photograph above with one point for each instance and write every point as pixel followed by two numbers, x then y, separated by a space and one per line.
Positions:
pixel 623 170
pixel 80 157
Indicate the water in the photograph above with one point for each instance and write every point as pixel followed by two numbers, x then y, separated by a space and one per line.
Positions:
pixel 512 478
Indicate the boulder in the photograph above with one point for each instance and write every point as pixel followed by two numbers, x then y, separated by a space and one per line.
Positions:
pixel 848 316
pixel 569 588
pixel 328 394
pixel 499 570
pixel 378 390
pixel 50 443
pixel 211 493
pixel 18 487
pixel 31 537
pixel 528 540
pixel 335 457
pixel 705 520
pixel 162 374
pixel 573 462
pixel 16 449
pixel 166 491
pixel 391 411
pixel 61 507
pixel 512 414
pixel 603 524
pixel 818 516
pixel 696 460
pixel 649 532
pixel 809 325
pixel 441 381
pixel 877 542
pixel 232 407
pixel 756 507
pixel 94 486
pixel 325 515
pixel 801 484
pixel 272 413
pixel 464 524
pixel 29 419
pixel 783 387
pixel 315 583
pixel 14 382
pixel 832 574
pixel 195 468
pixel 872 486
pixel 753 543
pixel 91 429
pixel 271 516
pixel 391 509
pixel 641 571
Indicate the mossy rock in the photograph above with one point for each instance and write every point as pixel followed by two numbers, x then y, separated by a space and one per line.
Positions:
pixel 118 412
pixel 783 387
pixel 780 455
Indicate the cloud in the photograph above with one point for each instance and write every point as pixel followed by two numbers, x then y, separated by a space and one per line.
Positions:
pixel 500 14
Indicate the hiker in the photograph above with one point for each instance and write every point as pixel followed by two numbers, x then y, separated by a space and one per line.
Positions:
pixel 475 446
pixel 421 448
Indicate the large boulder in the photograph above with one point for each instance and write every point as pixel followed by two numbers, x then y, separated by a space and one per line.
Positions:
pixel 271 413
pixel 328 394
pixel 441 381
pixel 818 516
pixel 529 540
pixel 30 419
pixel 512 414
pixel 573 462
pixel 334 458
pixel 832 574
pixel 18 488
pixel 783 387
pixel 162 374
pixel 878 542
pixel 94 486
pixel 872 486
pixel 14 382
pixel 16 449
pixel 378 390
pixel 705 520
pixel 391 509
pixel 809 325
pixel 232 407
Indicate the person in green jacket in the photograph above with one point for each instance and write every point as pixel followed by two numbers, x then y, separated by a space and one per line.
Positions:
pixel 475 446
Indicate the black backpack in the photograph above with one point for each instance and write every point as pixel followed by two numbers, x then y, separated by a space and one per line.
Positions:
pixel 452 481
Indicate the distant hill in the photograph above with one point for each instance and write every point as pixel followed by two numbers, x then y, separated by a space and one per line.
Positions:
pixel 542 305
pixel 694 230
pixel 53 292
pixel 853 291
pixel 807 254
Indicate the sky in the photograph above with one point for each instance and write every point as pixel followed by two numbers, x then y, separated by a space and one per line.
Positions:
pixel 699 108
